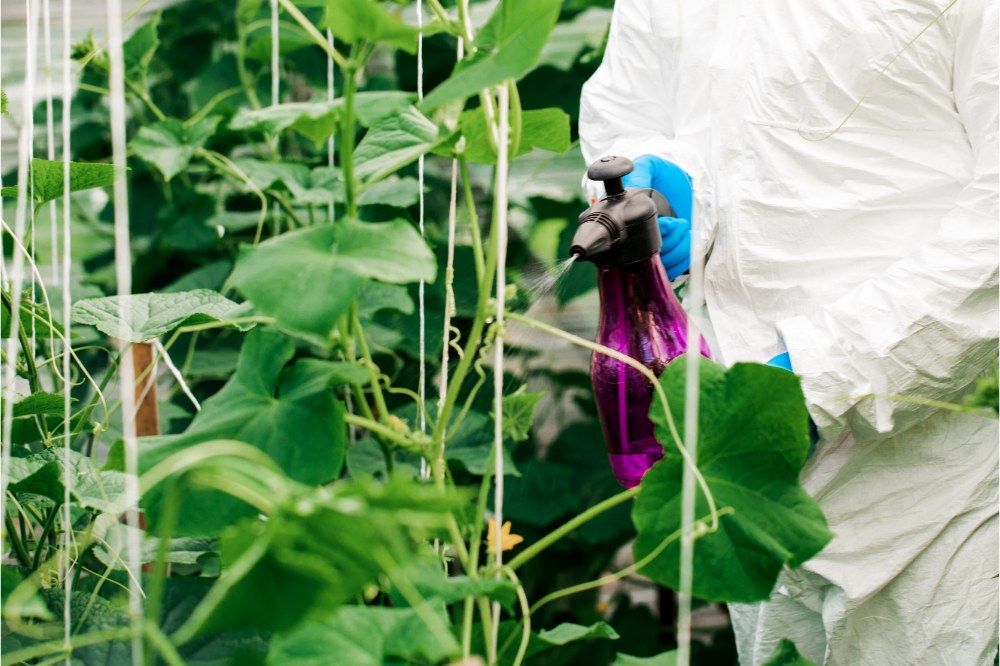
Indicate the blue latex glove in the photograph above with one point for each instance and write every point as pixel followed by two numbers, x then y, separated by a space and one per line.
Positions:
pixel 669 180
pixel 784 361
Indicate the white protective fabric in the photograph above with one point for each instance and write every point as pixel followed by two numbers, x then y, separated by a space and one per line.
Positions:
pixel 871 255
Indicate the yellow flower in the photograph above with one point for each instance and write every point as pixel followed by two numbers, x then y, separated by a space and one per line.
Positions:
pixel 507 540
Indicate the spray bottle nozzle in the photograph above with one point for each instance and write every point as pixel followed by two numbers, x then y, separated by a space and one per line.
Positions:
pixel 611 170
pixel 621 227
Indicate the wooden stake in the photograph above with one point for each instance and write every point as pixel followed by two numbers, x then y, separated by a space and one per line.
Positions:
pixel 147 415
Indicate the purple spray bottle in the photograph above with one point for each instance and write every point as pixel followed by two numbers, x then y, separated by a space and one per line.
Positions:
pixel 640 315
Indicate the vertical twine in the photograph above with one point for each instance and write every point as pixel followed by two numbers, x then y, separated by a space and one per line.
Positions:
pixel 425 471
pixel 16 276
pixel 123 278
pixel 275 41
pixel 500 204
pixel 67 346
pixel 330 145
pixel 50 134
pixel 693 304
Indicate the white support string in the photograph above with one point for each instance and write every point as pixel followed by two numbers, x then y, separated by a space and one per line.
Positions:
pixel 425 471
pixel 275 41
pixel 16 276
pixel 500 206
pixel 449 276
pixel 330 145
pixel 693 304
pixel 67 259
pixel 123 277
pixel 50 132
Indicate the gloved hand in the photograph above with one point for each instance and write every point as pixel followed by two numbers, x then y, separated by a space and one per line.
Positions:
pixel 669 180
pixel 784 361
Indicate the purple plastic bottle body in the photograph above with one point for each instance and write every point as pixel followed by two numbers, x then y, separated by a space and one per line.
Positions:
pixel 640 317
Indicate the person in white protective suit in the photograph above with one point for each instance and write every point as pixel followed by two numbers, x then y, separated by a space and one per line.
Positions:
pixel 844 155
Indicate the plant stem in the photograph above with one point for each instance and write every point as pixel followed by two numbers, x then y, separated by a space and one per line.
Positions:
pixel 373 371
pixel 313 33
pixel 154 597
pixel 636 566
pixel 19 550
pixel 347 131
pixel 557 534
pixel 50 520
pixel 383 432
pixel 470 203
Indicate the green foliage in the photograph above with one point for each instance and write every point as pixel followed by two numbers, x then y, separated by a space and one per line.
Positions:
pixel 169 144
pixel 4 111
pixel 987 393
pixel 519 412
pixel 46 178
pixel 752 442
pixel 356 20
pixel 148 316
pixel 339 258
pixel 395 141
pixel 547 129
pixel 286 412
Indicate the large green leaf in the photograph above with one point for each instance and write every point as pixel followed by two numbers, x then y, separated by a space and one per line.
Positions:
pixel 317 551
pixel 318 120
pixel 394 141
pixel 289 413
pixel 3 104
pixel 355 20
pixel 47 179
pixel 545 128
pixel 509 46
pixel 753 440
pixel 324 267
pixel 361 636
pixel 169 144
pixel 148 316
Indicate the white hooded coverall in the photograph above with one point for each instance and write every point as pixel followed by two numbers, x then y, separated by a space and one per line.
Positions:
pixel 850 184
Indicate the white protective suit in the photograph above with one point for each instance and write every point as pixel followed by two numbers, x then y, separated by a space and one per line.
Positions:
pixel 871 255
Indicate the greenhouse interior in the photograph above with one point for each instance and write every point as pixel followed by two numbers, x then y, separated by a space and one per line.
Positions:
pixel 499 332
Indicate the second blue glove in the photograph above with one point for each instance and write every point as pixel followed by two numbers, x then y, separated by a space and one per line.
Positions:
pixel 669 180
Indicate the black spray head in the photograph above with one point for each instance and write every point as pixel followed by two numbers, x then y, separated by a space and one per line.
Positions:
pixel 621 227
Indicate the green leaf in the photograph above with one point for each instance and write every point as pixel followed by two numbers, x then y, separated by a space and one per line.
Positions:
pixel 20 604
pixel 318 120
pixel 289 413
pixel 140 48
pixel 563 634
pixel 542 494
pixel 3 104
pixel 519 412
pixel 47 179
pixel 394 141
pixel 332 261
pixel 786 654
pixel 317 551
pixel 752 443
pixel 360 636
pixel 471 445
pixel 393 191
pixel 547 129
pixel 378 296
pixel 510 44
pixel 42 474
pixel 430 580
pixel 148 316
pixel 356 20
pixel 40 403
pixel 662 659
pixel 169 145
